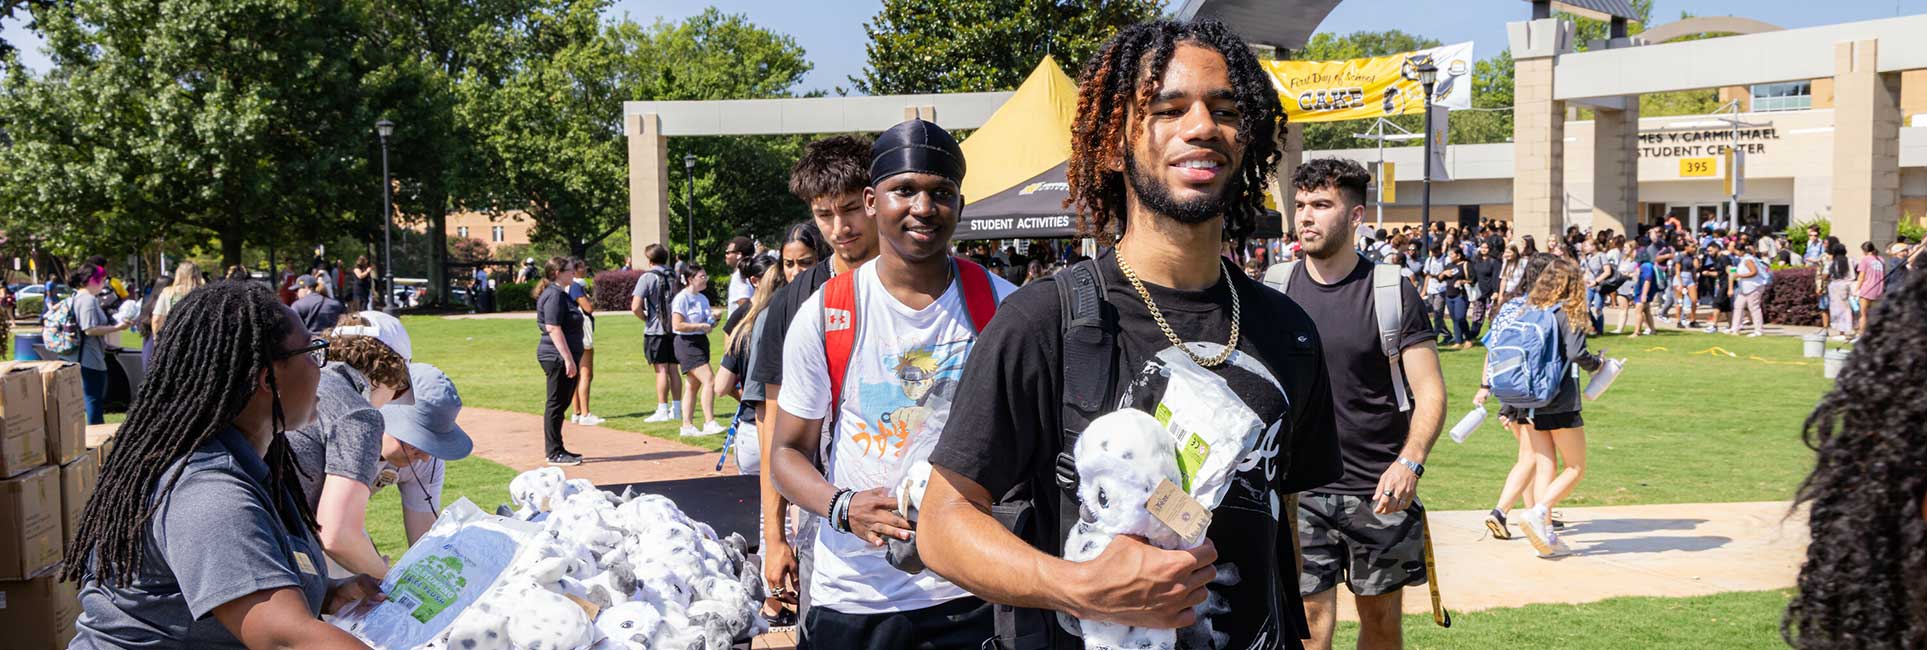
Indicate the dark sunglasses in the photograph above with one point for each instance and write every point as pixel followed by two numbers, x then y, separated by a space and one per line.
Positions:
pixel 316 349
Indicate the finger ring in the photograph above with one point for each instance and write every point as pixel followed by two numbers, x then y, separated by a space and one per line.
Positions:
pixel 1388 493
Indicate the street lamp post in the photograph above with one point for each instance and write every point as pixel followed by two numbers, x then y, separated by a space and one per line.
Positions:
pixel 1428 74
pixel 386 128
pixel 1378 133
pixel 689 197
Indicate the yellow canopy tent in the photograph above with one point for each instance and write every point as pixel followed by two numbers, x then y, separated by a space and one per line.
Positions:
pixel 1027 136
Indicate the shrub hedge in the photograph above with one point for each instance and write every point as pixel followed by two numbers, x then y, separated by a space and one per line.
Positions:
pixel 515 296
pixel 611 289
pixel 1790 299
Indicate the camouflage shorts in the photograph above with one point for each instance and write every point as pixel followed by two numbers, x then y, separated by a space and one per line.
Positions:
pixel 1375 554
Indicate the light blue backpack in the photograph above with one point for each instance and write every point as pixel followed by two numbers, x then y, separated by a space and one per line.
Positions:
pixel 1526 358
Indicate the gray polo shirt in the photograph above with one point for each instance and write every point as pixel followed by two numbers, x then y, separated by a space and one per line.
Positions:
pixel 92 354
pixel 218 536
pixel 345 439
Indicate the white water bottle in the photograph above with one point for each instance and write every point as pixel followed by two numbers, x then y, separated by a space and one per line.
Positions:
pixel 1604 378
pixel 1468 424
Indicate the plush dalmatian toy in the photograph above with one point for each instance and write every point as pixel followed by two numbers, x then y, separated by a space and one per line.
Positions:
pixel 1122 457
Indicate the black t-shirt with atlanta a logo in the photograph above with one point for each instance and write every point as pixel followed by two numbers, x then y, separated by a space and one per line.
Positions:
pixel 1005 426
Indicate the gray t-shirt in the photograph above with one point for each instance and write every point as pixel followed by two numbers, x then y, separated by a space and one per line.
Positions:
pixel 219 536
pixel 345 439
pixel 92 353
pixel 654 292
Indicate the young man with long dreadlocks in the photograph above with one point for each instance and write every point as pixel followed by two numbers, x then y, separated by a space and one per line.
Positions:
pixel 1176 133
pixel 1864 583
pixel 197 535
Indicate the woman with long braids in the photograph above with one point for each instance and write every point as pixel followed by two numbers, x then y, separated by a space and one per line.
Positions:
pixel 1864 583
pixel 197 535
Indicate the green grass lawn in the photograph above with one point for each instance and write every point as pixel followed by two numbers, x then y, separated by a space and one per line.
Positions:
pixel 493 364
pixel 1677 427
pixel 1730 620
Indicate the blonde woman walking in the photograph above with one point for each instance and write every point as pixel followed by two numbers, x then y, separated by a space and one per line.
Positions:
pixel 187 278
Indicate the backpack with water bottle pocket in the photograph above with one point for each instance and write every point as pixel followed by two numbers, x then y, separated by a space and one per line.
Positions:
pixel 1526 358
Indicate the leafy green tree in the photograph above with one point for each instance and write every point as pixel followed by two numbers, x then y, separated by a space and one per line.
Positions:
pixel 941 46
pixel 236 120
pixel 550 132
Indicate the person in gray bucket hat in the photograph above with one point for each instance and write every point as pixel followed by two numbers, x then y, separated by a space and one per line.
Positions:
pixel 420 438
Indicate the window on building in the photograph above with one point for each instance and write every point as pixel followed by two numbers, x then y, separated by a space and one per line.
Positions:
pixel 461 231
pixel 495 234
pixel 1787 96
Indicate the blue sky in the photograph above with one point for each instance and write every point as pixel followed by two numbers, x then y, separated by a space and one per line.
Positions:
pixel 832 32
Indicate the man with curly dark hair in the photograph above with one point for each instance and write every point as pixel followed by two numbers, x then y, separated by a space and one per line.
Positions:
pixel 1175 137
pixel 1864 583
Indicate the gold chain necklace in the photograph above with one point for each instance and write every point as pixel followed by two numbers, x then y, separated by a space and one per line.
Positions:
pixel 1158 316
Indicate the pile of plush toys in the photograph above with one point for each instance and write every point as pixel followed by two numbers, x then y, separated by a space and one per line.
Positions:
pixel 613 572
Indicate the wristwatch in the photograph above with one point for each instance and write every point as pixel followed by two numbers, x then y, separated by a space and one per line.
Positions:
pixel 1418 470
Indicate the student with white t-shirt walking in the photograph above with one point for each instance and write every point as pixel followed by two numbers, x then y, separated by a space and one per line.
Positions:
pixel 878 353
pixel 690 318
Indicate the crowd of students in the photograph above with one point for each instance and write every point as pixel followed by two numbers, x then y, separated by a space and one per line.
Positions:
pixel 868 346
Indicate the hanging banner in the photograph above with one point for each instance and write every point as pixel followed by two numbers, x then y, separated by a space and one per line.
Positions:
pixel 1361 89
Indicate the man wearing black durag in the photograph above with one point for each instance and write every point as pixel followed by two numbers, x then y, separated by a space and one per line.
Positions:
pixel 876 355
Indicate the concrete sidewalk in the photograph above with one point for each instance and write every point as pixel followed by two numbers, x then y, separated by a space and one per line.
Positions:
pixel 608 455
pixel 1667 550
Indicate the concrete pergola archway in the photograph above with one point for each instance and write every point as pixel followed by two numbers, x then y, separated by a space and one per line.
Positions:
pixel 1864 60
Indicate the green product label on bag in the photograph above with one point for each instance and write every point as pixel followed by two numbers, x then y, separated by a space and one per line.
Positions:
pixel 1191 457
pixel 429 586
pixel 1163 415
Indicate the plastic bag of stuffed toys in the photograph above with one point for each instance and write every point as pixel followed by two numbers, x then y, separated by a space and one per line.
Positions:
pixel 611 573
pixel 1201 436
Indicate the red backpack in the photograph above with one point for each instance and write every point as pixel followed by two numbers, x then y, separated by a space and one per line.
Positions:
pixel 840 311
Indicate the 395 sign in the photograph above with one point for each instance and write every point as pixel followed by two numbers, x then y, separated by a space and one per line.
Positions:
pixel 1698 167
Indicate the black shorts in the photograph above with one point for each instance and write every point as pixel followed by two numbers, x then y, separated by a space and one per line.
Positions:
pixel 1543 421
pixel 964 624
pixel 659 349
pixel 1551 421
pixel 692 351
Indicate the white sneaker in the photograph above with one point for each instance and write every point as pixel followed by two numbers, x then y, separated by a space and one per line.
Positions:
pixel 690 431
pixel 1753 335
pixel 589 420
pixel 711 428
pixel 575 418
pixel 1711 329
pixel 661 415
pixel 1538 532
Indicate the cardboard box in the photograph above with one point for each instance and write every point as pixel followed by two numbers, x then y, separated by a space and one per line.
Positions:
pixel 30 536
pixel 100 439
pixel 23 439
pixel 64 407
pixel 39 613
pixel 76 485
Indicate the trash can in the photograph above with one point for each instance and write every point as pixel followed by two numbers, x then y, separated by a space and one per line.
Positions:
pixel 23 346
pixel 1836 359
pixel 1815 344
